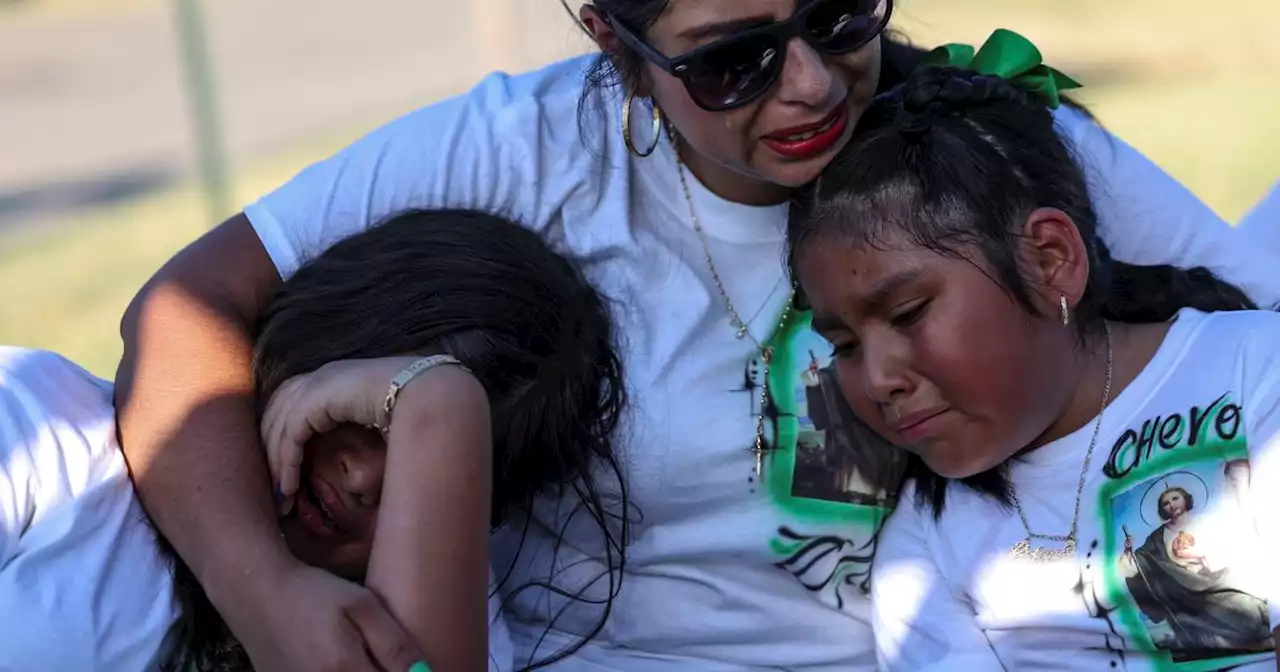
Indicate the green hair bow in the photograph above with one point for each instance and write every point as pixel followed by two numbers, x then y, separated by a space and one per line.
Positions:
pixel 1011 56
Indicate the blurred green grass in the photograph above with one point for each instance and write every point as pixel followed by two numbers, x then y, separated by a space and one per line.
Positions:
pixel 1191 88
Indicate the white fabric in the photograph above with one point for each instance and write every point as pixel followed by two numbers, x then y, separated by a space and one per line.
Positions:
pixel 704 588
pixel 501 652
pixel 82 584
pixel 1262 223
pixel 948 596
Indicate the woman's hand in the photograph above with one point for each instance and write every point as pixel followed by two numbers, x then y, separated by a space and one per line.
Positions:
pixel 338 393
pixel 317 621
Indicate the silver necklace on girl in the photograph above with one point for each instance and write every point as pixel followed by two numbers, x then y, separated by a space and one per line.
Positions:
pixel 758 447
pixel 1023 550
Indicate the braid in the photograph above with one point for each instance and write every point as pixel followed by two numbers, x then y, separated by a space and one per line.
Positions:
pixel 937 92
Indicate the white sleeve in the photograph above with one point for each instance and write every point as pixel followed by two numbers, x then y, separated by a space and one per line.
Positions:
pixel 502 654
pixel 1261 409
pixel 921 624
pixel 1146 217
pixel 1262 224
pixel 491 149
pixel 17 472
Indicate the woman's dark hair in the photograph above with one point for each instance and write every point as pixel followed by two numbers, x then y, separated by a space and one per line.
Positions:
pixel 956 161
pixel 491 293
pixel 623 67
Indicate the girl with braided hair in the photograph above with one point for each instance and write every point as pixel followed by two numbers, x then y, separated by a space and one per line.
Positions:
pixel 1047 394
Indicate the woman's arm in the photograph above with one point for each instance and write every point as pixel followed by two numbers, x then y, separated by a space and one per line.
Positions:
pixel 430 560
pixel 186 418
pixel 188 429
pixel 184 403
pixel 1147 217
pixel 920 623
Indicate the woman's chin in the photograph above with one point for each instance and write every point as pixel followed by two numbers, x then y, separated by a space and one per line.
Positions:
pixel 793 173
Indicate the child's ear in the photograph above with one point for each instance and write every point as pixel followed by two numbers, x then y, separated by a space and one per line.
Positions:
pixel 1054 259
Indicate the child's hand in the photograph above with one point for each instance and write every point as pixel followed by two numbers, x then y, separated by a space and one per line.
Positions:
pixel 338 393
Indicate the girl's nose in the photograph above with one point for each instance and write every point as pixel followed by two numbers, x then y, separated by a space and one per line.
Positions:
pixel 362 475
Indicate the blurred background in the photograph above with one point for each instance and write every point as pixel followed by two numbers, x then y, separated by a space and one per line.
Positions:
pixel 101 173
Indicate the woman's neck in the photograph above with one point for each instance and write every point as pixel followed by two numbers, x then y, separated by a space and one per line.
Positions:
pixel 730 184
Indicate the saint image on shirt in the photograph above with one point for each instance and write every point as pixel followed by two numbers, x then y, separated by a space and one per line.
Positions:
pixel 1187 577
pixel 838 458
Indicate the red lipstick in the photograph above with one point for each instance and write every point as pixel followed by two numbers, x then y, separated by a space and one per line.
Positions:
pixel 809 140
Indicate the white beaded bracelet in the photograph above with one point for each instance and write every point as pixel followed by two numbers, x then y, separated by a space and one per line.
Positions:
pixel 417 368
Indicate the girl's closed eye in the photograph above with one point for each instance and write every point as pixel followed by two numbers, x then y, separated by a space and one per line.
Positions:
pixel 844 347
pixel 909 314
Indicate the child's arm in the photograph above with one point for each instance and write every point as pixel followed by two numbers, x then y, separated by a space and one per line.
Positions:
pixel 429 563
pixel 920 623
pixel 430 560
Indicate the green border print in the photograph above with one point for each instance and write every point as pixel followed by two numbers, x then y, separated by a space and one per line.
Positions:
pixel 780 465
pixel 1208 449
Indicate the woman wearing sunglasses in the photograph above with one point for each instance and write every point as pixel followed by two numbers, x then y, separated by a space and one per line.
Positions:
pixel 666 163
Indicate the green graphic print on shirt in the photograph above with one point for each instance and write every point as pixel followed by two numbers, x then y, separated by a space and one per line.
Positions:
pixel 1180 553
pixel 831 478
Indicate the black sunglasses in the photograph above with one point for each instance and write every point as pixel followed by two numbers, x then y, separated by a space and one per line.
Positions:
pixel 734 71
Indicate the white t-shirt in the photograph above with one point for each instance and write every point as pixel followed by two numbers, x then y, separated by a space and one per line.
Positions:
pixel 1199 428
pixel 723 572
pixel 1262 223
pixel 82 583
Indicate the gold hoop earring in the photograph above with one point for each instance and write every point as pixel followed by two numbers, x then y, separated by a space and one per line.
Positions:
pixel 1066 312
pixel 626 128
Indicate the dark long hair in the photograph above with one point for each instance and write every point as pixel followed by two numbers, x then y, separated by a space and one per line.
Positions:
pixel 956 160
pixel 491 293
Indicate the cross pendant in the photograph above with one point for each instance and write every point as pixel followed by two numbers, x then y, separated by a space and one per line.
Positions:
pixel 759 453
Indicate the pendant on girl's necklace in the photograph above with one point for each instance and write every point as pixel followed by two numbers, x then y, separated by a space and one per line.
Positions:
pixel 1023 551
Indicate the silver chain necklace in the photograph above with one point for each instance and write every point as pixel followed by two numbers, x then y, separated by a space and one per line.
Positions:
pixel 759 446
pixel 1023 549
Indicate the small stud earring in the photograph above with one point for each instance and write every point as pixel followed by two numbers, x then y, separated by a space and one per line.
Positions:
pixel 1066 312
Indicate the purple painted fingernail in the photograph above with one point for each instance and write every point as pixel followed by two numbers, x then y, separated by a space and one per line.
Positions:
pixel 279 495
